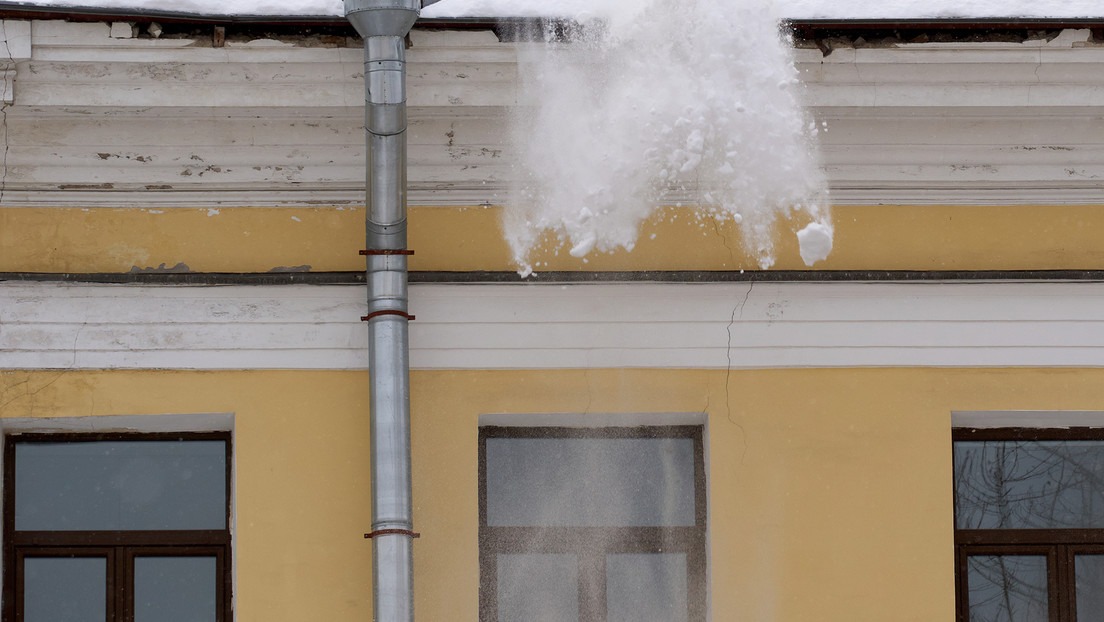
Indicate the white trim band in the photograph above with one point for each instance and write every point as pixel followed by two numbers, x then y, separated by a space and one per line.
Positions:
pixel 523 326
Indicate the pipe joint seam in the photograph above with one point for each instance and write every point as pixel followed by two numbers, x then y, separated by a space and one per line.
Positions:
pixel 382 312
pixel 392 532
pixel 386 119
pixel 386 251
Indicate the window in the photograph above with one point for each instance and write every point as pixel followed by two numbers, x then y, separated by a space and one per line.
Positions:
pixel 1029 524
pixel 592 524
pixel 128 528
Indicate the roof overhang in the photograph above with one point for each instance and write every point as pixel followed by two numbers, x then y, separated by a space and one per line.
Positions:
pixel 802 28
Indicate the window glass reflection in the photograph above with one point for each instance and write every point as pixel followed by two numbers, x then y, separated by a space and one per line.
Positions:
pixel 590 482
pixel 538 587
pixel 64 589
pixel 1029 484
pixel 1008 588
pixel 1089 582
pixel 120 485
pixel 175 589
pixel 646 587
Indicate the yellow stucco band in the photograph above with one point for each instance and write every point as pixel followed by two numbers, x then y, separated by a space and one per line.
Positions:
pixel 829 490
pixel 253 239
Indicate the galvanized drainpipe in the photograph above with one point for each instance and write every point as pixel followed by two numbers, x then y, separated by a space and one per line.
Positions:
pixel 384 25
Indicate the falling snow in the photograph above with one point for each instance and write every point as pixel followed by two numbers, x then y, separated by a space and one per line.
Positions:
pixel 664 106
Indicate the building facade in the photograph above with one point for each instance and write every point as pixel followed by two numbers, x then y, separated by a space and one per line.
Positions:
pixel 180 219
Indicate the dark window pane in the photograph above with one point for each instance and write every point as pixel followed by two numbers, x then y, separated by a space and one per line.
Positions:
pixel 1089 580
pixel 536 587
pixel 646 587
pixel 119 485
pixel 1008 588
pixel 175 589
pixel 590 482
pixel 64 589
pixel 1029 484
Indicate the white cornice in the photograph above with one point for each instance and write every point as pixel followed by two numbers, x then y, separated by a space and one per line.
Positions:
pixel 100 118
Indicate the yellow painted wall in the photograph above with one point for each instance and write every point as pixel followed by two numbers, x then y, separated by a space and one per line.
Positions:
pixel 255 239
pixel 829 490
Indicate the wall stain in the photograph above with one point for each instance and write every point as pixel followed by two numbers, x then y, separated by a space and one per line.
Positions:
pixel 161 269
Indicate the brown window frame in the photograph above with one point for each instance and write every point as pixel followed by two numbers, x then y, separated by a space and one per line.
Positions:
pixel 592 544
pixel 119 547
pixel 1059 546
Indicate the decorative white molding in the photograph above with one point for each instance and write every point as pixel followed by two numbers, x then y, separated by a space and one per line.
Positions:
pixel 99 120
pixel 522 326
pixel 15 47
pixel 253 156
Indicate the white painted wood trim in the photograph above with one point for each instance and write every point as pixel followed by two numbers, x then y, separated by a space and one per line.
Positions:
pixel 524 326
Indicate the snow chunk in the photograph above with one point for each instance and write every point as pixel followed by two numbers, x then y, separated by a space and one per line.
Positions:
pixel 815 241
pixel 584 246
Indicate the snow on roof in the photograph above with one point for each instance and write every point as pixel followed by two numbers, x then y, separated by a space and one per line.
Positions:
pixel 793 9
pixel 582 9
pixel 272 8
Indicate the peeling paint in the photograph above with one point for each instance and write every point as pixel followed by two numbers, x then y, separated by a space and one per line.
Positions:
pixel 212 212
pixel 161 269
pixel 296 219
pixel 302 268
pixel 138 158
pixel 85 186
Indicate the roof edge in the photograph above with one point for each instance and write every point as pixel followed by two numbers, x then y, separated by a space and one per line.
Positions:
pixel 21 10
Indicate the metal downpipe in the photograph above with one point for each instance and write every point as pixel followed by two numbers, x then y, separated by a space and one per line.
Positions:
pixel 384 25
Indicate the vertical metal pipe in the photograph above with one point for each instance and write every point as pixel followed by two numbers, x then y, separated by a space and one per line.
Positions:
pixel 384 24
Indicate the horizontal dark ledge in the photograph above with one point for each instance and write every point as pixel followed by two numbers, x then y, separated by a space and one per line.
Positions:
pixel 182 537
pixel 801 26
pixel 656 276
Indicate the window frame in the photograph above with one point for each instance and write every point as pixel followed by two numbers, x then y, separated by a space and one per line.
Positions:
pixel 1060 546
pixel 120 547
pixel 592 544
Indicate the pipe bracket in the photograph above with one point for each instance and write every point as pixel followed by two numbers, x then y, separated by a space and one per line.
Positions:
pixel 392 532
pixel 387 251
pixel 365 318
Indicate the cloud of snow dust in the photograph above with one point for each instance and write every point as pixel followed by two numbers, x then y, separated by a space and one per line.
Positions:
pixel 664 102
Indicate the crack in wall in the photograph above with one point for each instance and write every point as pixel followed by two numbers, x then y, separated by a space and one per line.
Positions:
pixel 738 308
pixel 28 394
pixel 22 383
pixel 724 238
pixel 26 384
pixel 4 112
